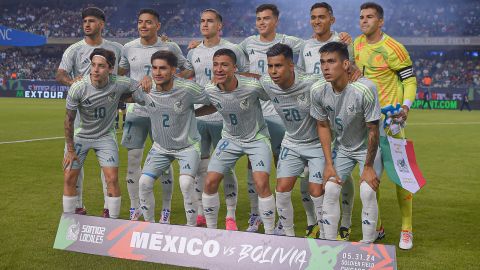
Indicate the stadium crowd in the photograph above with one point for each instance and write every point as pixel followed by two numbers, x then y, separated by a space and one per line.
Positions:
pixel 425 19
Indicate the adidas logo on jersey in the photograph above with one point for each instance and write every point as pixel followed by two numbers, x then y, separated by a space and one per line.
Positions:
pixel 152 104
pixel 86 61
pixel 252 52
pixel 87 102
pixel 329 108
pixel 111 159
pixel 309 53
pixel 261 164
pixel 198 60
pixel 186 166
pixel 317 175
pixel 275 100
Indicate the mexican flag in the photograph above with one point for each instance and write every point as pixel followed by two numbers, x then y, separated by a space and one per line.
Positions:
pixel 400 163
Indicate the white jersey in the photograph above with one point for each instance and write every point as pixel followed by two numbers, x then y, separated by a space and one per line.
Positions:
pixel 256 51
pixel 309 56
pixel 347 111
pixel 76 58
pixel 136 58
pixel 200 60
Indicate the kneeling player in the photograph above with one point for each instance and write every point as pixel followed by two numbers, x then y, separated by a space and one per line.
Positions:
pixel 96 98
pixel 174 132
pixel 237 99
pixel 351 112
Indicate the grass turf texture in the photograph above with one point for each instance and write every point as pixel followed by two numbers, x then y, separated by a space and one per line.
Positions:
pixel 445 210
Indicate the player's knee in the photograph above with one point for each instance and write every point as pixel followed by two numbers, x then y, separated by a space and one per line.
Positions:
pixel 367 194
pixel 186 183
pixel 332 192
pixel 134 158
pixel 315 190
pixel 146 184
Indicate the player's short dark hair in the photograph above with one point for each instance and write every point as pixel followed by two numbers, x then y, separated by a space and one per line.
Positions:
pixel 226 52
pixel 322 5
pixel 280 49
pixel 94 12
pixel 271 7
pixel 338 47
pixel 214 11
pixel 149 11
pixel 168 56
pixel 375 6
pixel 107 54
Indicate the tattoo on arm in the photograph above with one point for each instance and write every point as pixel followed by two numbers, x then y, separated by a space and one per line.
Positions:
pixel 68 125
pixel 373 141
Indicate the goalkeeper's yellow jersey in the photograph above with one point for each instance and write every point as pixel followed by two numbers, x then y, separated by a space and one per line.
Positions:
pixel 389 66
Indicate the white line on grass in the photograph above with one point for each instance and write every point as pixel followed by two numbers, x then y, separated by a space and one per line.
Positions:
pixel 37 140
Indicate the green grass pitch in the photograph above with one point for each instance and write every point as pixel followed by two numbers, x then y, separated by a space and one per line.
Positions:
pixel 446 210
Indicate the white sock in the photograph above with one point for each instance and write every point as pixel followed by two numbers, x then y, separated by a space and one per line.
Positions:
pixel 331 210
pixel 348 193
pixel 318 202
pixel 230 188
pixel 252 193
pixel 133 175
pixel 79 187
pixel 211 205
pixel 166 178
pixel 199 182
pixel 69 204
pixel 114 204
pixel 285 211
pixel 307 201
pixel 147 199
pixel 267 212
pixel 369 212
pixel 105 189
pixel 186 185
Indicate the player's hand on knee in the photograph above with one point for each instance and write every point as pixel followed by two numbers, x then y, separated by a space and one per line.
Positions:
pixel 329 174
pixel 370 177
pixel 146 83
pixel 68 160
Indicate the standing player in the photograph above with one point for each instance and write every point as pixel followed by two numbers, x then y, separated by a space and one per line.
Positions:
pixel 321 20
pixel 255 48
pixel 136 60
pixel 386 62
pixel 174 131
pixel 290 92
pixel 351 112
pixel 76 64
pixel 200 64
pixel 95 97
pixel 237 99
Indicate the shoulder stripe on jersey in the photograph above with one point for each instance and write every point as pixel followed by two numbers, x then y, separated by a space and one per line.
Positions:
pixel 398 51
pixel 74 46
pixel 364 89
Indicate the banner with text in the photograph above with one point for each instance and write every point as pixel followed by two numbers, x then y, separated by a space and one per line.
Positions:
pixel 214 249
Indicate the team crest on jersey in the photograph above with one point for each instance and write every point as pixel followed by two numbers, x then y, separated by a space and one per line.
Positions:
pixel 178 106
pixel 244 104
pixel 111 97
pixel 302 100
pixel 351 109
